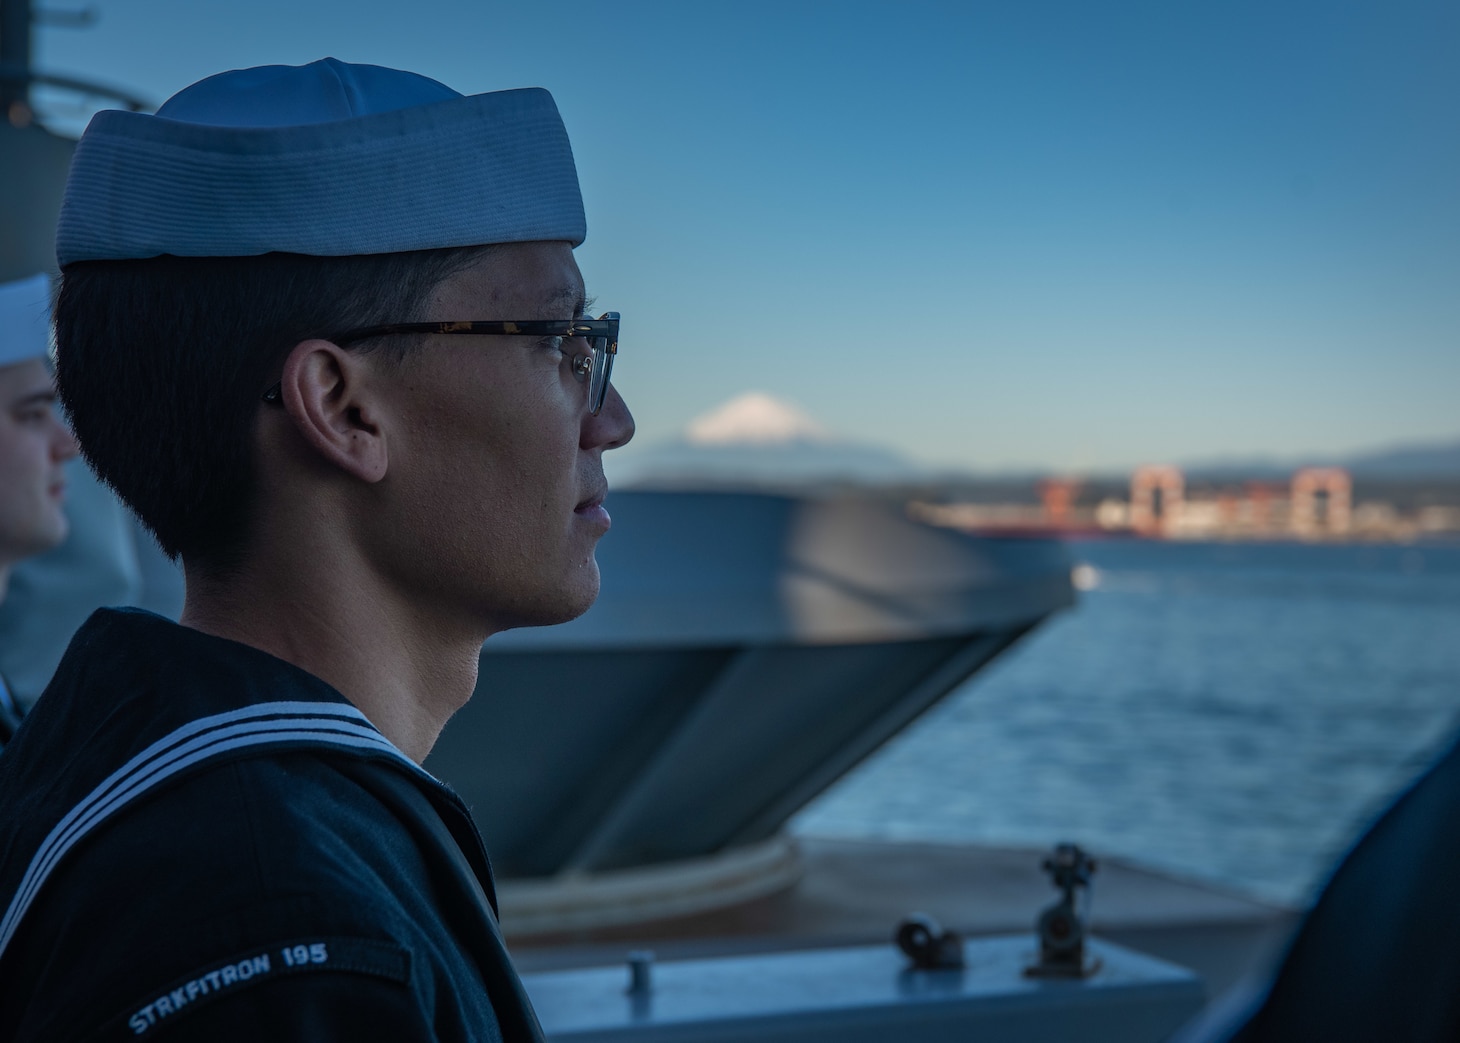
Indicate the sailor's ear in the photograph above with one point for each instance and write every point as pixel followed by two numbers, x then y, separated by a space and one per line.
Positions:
pixel 328 395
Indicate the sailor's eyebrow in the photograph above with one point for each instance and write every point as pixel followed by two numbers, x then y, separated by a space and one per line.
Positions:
pixel 570 297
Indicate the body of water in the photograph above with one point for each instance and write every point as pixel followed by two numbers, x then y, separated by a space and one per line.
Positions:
pixel 1235 712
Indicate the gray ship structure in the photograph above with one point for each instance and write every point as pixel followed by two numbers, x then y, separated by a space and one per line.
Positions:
pixel 746 651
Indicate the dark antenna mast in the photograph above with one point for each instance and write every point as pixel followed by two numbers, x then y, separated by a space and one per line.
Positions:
pixel 18 19
pixel 15 40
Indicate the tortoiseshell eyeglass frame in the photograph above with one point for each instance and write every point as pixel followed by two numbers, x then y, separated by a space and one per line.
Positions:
pixel 601 335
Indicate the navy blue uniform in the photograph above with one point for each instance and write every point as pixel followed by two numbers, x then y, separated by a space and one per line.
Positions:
pixel 200 841
pixel 1378 958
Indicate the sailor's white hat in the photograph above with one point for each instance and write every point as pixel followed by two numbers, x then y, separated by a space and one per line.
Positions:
pixel 328 159
pixel 25 319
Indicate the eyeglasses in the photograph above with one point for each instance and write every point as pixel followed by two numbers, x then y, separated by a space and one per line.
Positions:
pixel 594 363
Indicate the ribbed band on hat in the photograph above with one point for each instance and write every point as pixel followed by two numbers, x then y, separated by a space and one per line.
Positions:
pixel 489 168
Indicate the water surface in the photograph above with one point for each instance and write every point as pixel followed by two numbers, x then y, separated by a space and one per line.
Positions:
pixel 1236 712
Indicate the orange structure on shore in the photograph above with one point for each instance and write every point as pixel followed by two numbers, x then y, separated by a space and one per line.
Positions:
pixel 1316 504
pixel 1058 496
pixel 1157 494
pixel 1322 502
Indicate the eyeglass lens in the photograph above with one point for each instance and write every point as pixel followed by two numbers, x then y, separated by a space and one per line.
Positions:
pixel 598 377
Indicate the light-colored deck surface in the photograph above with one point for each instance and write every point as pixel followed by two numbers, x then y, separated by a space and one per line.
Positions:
pixel 856 892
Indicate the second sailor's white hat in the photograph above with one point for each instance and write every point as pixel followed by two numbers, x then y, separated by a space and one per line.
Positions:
pixel 25 319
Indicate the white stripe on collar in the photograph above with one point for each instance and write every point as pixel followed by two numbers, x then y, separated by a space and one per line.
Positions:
pixel 315 724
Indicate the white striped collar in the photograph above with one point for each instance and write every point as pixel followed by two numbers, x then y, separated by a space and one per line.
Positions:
pixel 340 725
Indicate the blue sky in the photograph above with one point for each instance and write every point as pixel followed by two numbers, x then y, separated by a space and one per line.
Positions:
pixel 1063 235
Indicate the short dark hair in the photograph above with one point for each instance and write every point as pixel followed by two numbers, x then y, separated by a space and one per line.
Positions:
pixel 161 364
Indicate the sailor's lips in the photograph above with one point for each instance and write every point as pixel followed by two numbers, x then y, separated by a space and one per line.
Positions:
pixel 591 510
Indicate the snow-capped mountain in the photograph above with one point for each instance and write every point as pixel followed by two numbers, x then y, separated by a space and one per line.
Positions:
pixel 754 418
pixel 757 439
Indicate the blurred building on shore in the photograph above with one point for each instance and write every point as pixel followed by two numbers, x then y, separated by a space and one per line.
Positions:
pixel 1162 502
